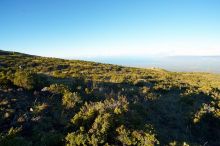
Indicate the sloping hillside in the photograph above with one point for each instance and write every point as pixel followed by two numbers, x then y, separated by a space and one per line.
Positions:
pixel 50 101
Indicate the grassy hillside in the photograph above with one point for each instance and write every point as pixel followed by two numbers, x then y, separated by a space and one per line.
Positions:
pixel 50 101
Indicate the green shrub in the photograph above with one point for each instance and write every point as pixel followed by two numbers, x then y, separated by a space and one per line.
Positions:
pixel 74 139
pixel 29 80
pixel 70 99
pixel 96 122
pixel 58 88
pixel 140 138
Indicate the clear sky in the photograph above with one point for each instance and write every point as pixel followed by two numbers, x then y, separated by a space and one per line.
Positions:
pixel 100 28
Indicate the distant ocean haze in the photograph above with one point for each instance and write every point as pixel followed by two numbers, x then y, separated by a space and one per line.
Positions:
pixel 172 63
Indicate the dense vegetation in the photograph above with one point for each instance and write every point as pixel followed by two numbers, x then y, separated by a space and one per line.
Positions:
pixel 49 102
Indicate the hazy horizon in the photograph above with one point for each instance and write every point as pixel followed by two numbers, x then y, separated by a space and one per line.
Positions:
pixel 208 64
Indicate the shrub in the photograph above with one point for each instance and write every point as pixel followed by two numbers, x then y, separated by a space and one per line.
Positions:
pixel 70 99
pixel 29 80
pixel 96 121
pixel 140 138
pixel 58 88
pixel 76 139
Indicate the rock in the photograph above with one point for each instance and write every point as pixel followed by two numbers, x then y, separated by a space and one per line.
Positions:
pixel 31 110
pixel 20 89
pixel 36 119
pixel 44 89
pixel 21 66
pixel 6 115
pixel 79 87
pixel 10 90
pixel 21 119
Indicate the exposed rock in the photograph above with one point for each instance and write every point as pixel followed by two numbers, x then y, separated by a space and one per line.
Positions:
pixel 6 115
pixel 10 90
pixel 21 119
pixel 21 66
pixel 36 119
pixel 20 89
pixel 31 110
pixel 44 89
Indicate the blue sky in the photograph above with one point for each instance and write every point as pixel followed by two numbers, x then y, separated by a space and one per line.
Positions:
pixel 109 28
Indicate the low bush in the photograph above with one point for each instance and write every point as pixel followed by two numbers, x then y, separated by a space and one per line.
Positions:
pixel 29 80
pixel 70 99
